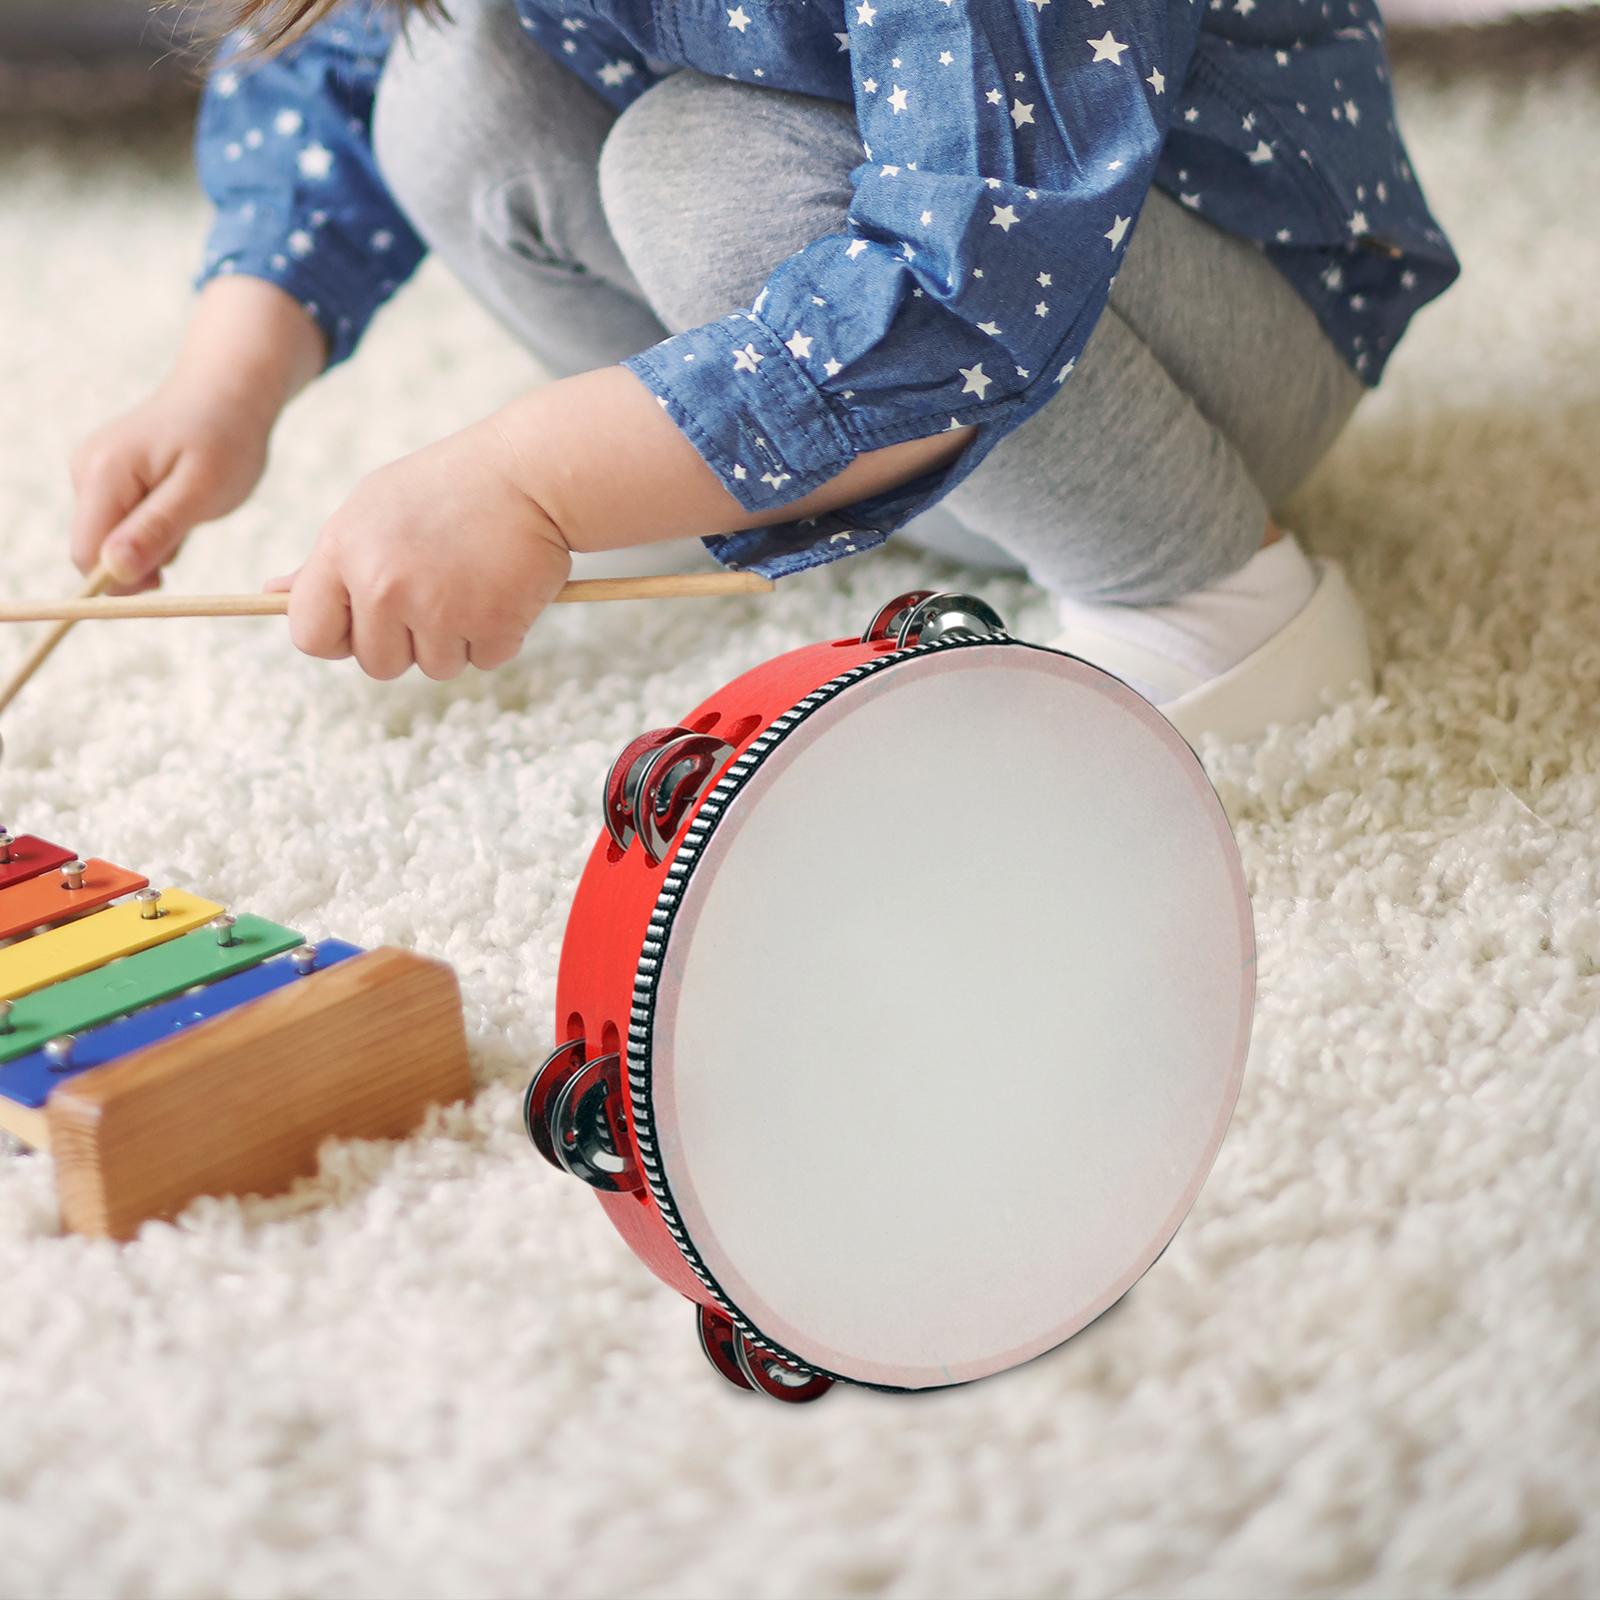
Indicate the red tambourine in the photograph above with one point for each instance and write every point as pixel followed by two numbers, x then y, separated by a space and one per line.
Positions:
pixel 903 1004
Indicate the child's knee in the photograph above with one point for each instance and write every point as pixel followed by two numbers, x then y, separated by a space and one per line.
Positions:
pixel 476 131
pixel 425 164
pixel 654 174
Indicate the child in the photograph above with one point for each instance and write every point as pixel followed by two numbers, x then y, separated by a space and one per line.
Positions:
pixel 1100 279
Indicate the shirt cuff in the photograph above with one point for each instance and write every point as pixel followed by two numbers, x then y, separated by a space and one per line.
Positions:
pixel 741 397
pixel 313 264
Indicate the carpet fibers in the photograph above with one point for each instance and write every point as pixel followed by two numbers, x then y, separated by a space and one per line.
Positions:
pixel 1367 1364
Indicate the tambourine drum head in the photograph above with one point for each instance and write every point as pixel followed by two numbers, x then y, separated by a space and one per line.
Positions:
pixel 951 1016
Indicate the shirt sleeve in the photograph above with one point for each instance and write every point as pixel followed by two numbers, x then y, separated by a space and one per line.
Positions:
pixel 284 151
pixel 970 274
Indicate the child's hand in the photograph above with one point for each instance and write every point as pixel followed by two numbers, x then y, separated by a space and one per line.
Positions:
pixel 197 447
pixel 144 481
pixel 439 559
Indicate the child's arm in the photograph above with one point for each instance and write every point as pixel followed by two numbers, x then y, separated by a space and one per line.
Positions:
pixel 445 558
pixel 305 244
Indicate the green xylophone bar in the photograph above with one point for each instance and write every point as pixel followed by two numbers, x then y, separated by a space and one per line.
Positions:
pixel 29 1023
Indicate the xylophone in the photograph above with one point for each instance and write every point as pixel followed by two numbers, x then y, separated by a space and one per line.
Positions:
pixel 161 1047
pixel 903 1004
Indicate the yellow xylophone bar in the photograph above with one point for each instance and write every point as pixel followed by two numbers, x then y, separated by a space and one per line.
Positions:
pixel 82 946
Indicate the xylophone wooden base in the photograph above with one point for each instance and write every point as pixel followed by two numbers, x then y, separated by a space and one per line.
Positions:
pixel 241 1103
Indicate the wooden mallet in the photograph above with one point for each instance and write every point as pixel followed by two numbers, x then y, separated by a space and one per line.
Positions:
pixel 98 582
pixel 92 605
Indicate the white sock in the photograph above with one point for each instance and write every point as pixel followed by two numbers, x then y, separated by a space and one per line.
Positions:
pixel 1163 651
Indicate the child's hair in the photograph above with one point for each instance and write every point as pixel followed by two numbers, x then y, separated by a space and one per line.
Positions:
pixel 270 25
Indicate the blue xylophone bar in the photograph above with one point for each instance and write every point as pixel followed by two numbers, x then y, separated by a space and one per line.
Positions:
pixel 29 1079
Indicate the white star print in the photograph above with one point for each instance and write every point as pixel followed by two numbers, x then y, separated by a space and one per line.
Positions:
pixel 1061 376
pixel 301 243
pixel 995 98
pixel 226 84
pixel 946 59
pixel 1189 114
pixel 865 12
pixel 1157 80
pixel 614 73
pixel 976 382
pixel 990 328
pixel 855 248
pixel 1116 231
pixel 1244 7
pixel 1106 48
pixel 870 85
pixel 844 40
pixel 739 473
pixel 1358 222
pixel 288 123
pixel 382 240
pixel 1004 218
pixel 316 162
pixel 1021 113
pixel 1190 200
pixel 1038 5
pixel 925 218
pixel 1352 111
pixel 799 345
pixel 832 368
pixel 1041 310
pixel 739 18
pixel 1261 153
pixel 1044 280
pixel 897 99
pixel 774 478
pixel 748 359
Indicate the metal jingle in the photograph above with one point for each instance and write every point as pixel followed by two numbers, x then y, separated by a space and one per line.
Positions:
pixel 672 781
pixel 886 622
pixel 587 1142
pixel 619 803
pixel 543 1086
pixel 776 1378
pixel 939 615
pixel 719 1343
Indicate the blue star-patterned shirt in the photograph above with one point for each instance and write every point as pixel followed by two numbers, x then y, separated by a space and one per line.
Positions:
pixel 1007 148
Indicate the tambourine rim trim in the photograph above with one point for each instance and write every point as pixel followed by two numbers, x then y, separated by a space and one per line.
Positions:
pixel 669 900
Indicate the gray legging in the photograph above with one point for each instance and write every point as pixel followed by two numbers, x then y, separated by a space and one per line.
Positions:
pixel 1206 393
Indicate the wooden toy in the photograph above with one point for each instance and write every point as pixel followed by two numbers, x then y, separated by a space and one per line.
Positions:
pixel 161 1048
pixel 91 604
pixel 903 1003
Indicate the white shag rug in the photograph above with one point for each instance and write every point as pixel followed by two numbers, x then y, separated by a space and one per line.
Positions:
pixel 1367 1365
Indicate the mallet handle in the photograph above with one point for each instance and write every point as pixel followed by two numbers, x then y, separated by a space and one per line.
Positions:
pixel 90 608
pixel 97 582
